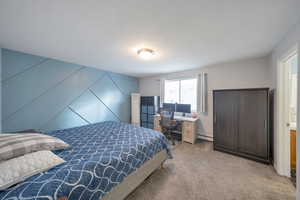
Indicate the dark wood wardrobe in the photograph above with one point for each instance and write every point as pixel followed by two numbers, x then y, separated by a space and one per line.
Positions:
pixel 241 122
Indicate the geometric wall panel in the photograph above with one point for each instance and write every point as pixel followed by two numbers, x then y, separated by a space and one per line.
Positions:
pixel 127 84
pixel 34 82
pixel 66 119
pixel 92 109
pixel 124 109
pixel 110 95
pixel 45 107
pixel 48 94
pixel 17 62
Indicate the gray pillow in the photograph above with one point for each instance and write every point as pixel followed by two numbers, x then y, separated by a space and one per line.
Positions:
pixel 14 145
pixel 29 131
pixel 18 169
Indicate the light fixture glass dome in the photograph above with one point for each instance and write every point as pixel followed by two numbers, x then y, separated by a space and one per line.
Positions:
pixel 145 53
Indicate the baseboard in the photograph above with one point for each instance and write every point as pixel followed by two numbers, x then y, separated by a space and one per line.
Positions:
pixel 205 137
pixel 275 167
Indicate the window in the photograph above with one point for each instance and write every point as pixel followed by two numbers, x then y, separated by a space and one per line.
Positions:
pixel 181 91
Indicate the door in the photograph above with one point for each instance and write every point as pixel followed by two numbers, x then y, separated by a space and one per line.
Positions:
pixel 253 127
pixel 225 119
pixel 291 69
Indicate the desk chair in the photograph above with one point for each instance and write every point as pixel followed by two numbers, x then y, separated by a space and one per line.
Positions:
pixel 168 124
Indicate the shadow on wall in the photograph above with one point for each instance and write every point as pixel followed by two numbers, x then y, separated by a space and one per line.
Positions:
pixel 46 94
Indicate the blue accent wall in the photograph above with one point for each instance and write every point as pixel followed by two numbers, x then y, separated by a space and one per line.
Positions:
pixel 0 90
pixel 47 94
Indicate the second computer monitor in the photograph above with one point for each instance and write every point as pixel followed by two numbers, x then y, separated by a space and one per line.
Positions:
pixel 184 108
pixel 169 107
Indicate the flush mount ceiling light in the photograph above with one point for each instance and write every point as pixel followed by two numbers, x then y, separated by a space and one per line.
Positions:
pixel 145 53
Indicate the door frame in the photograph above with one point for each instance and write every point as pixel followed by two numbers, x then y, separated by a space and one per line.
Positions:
pixel 283 137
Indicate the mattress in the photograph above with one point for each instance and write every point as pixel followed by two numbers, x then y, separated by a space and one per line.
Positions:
pixel 100 157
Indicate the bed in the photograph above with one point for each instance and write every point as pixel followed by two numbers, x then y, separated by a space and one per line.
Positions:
pixel 106 160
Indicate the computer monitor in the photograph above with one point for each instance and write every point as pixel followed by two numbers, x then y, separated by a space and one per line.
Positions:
pixel 170 107
pixel 184 108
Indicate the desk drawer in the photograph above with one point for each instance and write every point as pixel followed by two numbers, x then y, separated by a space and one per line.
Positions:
pixel 188 132
pixel 187 127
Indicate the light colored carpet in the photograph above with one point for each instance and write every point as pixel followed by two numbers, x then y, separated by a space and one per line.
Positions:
pixel 199 173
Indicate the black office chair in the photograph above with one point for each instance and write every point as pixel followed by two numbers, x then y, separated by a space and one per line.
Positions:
pixel 168 124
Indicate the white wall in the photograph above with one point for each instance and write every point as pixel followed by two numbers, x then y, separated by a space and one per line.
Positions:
pixel 149 86
pixel 290 41
pixel 249 73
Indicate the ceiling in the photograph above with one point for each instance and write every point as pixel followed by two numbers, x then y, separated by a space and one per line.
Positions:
pixel 184 34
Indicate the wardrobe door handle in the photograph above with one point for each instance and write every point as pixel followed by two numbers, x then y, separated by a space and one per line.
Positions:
pixel 265 124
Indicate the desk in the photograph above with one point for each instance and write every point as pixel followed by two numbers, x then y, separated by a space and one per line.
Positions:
pixel 189 127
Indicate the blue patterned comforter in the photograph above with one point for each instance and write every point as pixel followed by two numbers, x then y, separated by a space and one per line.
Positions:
pixel 101 156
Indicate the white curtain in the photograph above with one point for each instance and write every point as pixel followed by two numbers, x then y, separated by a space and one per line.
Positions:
pixel 202 93
pixel 162 91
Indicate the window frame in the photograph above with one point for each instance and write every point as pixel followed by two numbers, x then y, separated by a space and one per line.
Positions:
pixel 182 79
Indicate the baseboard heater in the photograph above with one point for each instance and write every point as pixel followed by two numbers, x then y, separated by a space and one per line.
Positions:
pixel 205 137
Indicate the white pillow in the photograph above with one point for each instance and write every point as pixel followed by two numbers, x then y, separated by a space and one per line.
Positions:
pixel 18 169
